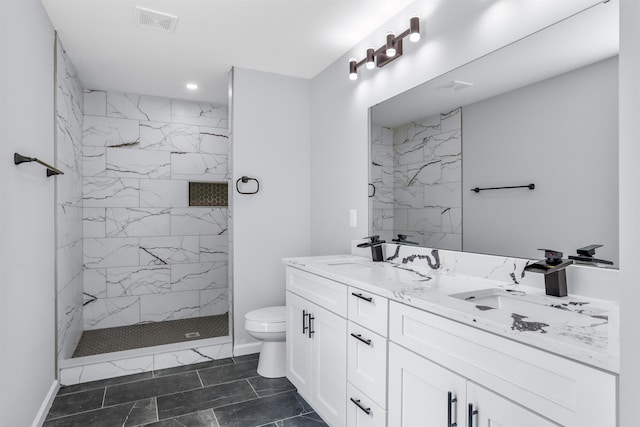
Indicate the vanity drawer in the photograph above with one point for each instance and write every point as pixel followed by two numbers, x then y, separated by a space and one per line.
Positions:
pixel 362 411
pixel 369 310
pixel 324 292
pixel 564 391
pixel 367 362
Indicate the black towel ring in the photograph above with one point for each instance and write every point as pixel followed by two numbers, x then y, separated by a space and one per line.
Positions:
pixel 244 180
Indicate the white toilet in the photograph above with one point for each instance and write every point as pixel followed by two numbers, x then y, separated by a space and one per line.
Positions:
pixel 269 325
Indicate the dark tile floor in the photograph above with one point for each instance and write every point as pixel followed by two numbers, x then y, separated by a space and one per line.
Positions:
pixel 220 393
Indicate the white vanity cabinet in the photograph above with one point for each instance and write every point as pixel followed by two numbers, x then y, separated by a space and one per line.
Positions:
pixel 508 383
pixel 316 342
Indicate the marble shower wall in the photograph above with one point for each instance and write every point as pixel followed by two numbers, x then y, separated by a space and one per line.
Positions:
pixel 69 277
pixel 417 171
pixel 148 256
pixel 381 170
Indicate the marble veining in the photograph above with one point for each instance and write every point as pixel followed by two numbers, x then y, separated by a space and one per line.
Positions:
pixel 149 256
pixel 583 328
pixel 69 224
pixel 416 170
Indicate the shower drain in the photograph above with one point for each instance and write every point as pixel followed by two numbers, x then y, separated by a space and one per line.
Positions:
pixel 192 335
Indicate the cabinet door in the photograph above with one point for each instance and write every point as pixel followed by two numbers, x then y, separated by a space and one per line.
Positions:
pixel 329 366
pixel 420 390
pixel 497 411
pixel 299 345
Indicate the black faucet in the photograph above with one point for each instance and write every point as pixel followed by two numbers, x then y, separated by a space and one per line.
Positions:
pixel 402 240
pixel 554 269
pixel 376 247
pixel 585 255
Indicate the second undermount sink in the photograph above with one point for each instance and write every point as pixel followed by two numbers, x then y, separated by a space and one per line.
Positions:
pixel 531 307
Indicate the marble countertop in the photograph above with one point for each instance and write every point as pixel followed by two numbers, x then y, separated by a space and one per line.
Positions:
pixel 582 329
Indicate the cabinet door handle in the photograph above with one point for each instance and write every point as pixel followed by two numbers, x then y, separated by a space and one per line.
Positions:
pixel 367 299
pixel 359 338
pixel 471 413
pixel 304 323
pixel 451 400
pixel 359 405
pixel 311 319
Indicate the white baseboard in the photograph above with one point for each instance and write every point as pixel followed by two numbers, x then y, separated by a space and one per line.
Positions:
pixel 250 348
pixel 46 405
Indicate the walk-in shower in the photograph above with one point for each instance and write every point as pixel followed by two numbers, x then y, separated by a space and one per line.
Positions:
pixel 142 219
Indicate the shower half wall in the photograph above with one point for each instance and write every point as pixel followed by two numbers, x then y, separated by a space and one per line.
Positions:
pixel 130 248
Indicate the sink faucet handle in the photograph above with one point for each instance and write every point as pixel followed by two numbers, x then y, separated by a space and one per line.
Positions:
pixel 551 256
pixel 588 250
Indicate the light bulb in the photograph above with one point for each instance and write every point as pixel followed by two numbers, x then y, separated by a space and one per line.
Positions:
pixel 391 47
pixel 414 29
pixel 353 69
pixel 371 63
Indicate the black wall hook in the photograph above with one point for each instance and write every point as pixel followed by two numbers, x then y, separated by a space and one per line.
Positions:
pixel 244 180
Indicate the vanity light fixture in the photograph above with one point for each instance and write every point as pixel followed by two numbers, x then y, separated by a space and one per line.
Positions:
pixel 392 49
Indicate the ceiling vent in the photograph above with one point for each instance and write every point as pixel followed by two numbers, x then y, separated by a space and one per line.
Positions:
pixel 454 86
pixel 155 20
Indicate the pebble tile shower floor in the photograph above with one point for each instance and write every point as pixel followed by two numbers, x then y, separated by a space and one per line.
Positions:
pixel 99 341
pixel 220 393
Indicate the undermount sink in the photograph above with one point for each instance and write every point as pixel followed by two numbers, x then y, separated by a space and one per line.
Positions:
pixel 529 307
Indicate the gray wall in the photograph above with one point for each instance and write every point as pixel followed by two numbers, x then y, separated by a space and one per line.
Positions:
pixel 562 135
pixel 269 141
pixel 27 243
pixel 629 211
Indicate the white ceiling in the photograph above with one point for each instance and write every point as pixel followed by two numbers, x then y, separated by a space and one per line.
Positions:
pixel 299 38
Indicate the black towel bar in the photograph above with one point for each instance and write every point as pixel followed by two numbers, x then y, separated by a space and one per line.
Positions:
pixel 19 158
pixel 530 187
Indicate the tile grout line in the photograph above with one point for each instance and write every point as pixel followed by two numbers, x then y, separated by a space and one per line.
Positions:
pixel 200 378
pixel 252 388
pixel 215 417
pixel 155 398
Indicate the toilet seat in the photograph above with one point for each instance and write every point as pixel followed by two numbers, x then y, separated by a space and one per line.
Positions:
pixel 267 319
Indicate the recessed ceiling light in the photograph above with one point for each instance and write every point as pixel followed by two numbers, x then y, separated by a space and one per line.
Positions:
pixel 192 86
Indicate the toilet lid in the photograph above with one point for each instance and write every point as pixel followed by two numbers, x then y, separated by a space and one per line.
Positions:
pixel 268 314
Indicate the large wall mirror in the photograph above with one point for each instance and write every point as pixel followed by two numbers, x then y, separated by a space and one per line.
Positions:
pixel 541 111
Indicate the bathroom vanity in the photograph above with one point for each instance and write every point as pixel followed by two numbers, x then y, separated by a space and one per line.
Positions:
pixel 446 338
